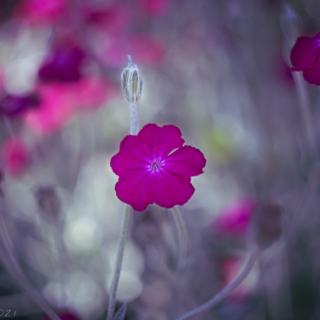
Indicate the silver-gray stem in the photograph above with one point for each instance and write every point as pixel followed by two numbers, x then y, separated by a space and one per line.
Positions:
pixel 120 253
pixel 228 289
pixel 134 117
pixel 182 236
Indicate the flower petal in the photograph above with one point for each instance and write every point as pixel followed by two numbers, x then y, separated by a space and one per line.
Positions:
pixel 125 165
pixel 160 140
pixel 129 146
pixel 305 52
pixel 187 161
pixel 172 189
pixel 137 189
pixel 312 75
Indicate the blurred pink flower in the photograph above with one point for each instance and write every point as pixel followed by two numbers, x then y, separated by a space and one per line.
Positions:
pixel 13 105
pixel 235 219
pixel 92 92
pixel 15 155
pixel 155 167
pixel 109 17
pixel 147 49
pixel 64 316
pixel 63 64
pixel 305 56
pixel 41 12
pixel 144 49
pixel 60 101
pixel 154 7
pixel 57 106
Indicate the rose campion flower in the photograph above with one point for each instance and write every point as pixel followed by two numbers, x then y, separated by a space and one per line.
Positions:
pixel 64 316
pixel 14 105
pixel 110 17
pixel 41 12
pixel 15 155
pixel 61 101
pixel 305 57
pixel 155 167
pixel 62 65
pixel 235 219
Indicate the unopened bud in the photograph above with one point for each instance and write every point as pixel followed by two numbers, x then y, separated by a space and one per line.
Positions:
pixel 131 82
pixel 266 224
pixel 48 201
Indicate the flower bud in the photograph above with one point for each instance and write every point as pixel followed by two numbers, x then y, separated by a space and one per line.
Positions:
pixel 131 82
pixel 266 224
pixel 48 201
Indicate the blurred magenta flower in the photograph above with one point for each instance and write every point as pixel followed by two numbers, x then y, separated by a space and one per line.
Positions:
pixel 65 316
pixel 154 7
pixel 235 219
pixel 15 155
pixel 93 91
pixel 60 101
pixel 109 17
pixel 57 106
pixel 155 167
pixel 13 105
pixel 305 57
pixel 63 64
pixel 143 48
pixel 41 12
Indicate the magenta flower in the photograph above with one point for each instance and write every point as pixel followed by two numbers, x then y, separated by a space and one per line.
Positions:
pixel 41 12
pixel 14 105
pixel 62 65
pixel 305 57
pixel 15 156
pixel 64 316
pixel 155 167
pixel 235 219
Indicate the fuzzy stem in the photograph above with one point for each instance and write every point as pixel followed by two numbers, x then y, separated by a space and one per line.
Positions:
pixel 116 275
pixel 252 257
pixel 134 117
pixel 305 111
pixel 131 82
pixel 15 271
pixel 182 236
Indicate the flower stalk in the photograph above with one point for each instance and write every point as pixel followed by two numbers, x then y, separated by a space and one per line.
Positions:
pixel 131 83
pixel 120 253
pixel 252 257
pixel 182 236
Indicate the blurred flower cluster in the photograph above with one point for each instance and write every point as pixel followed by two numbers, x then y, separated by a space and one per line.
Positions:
pixel 238 78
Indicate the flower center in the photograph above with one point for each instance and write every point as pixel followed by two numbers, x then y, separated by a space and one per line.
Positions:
pixel 156 165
